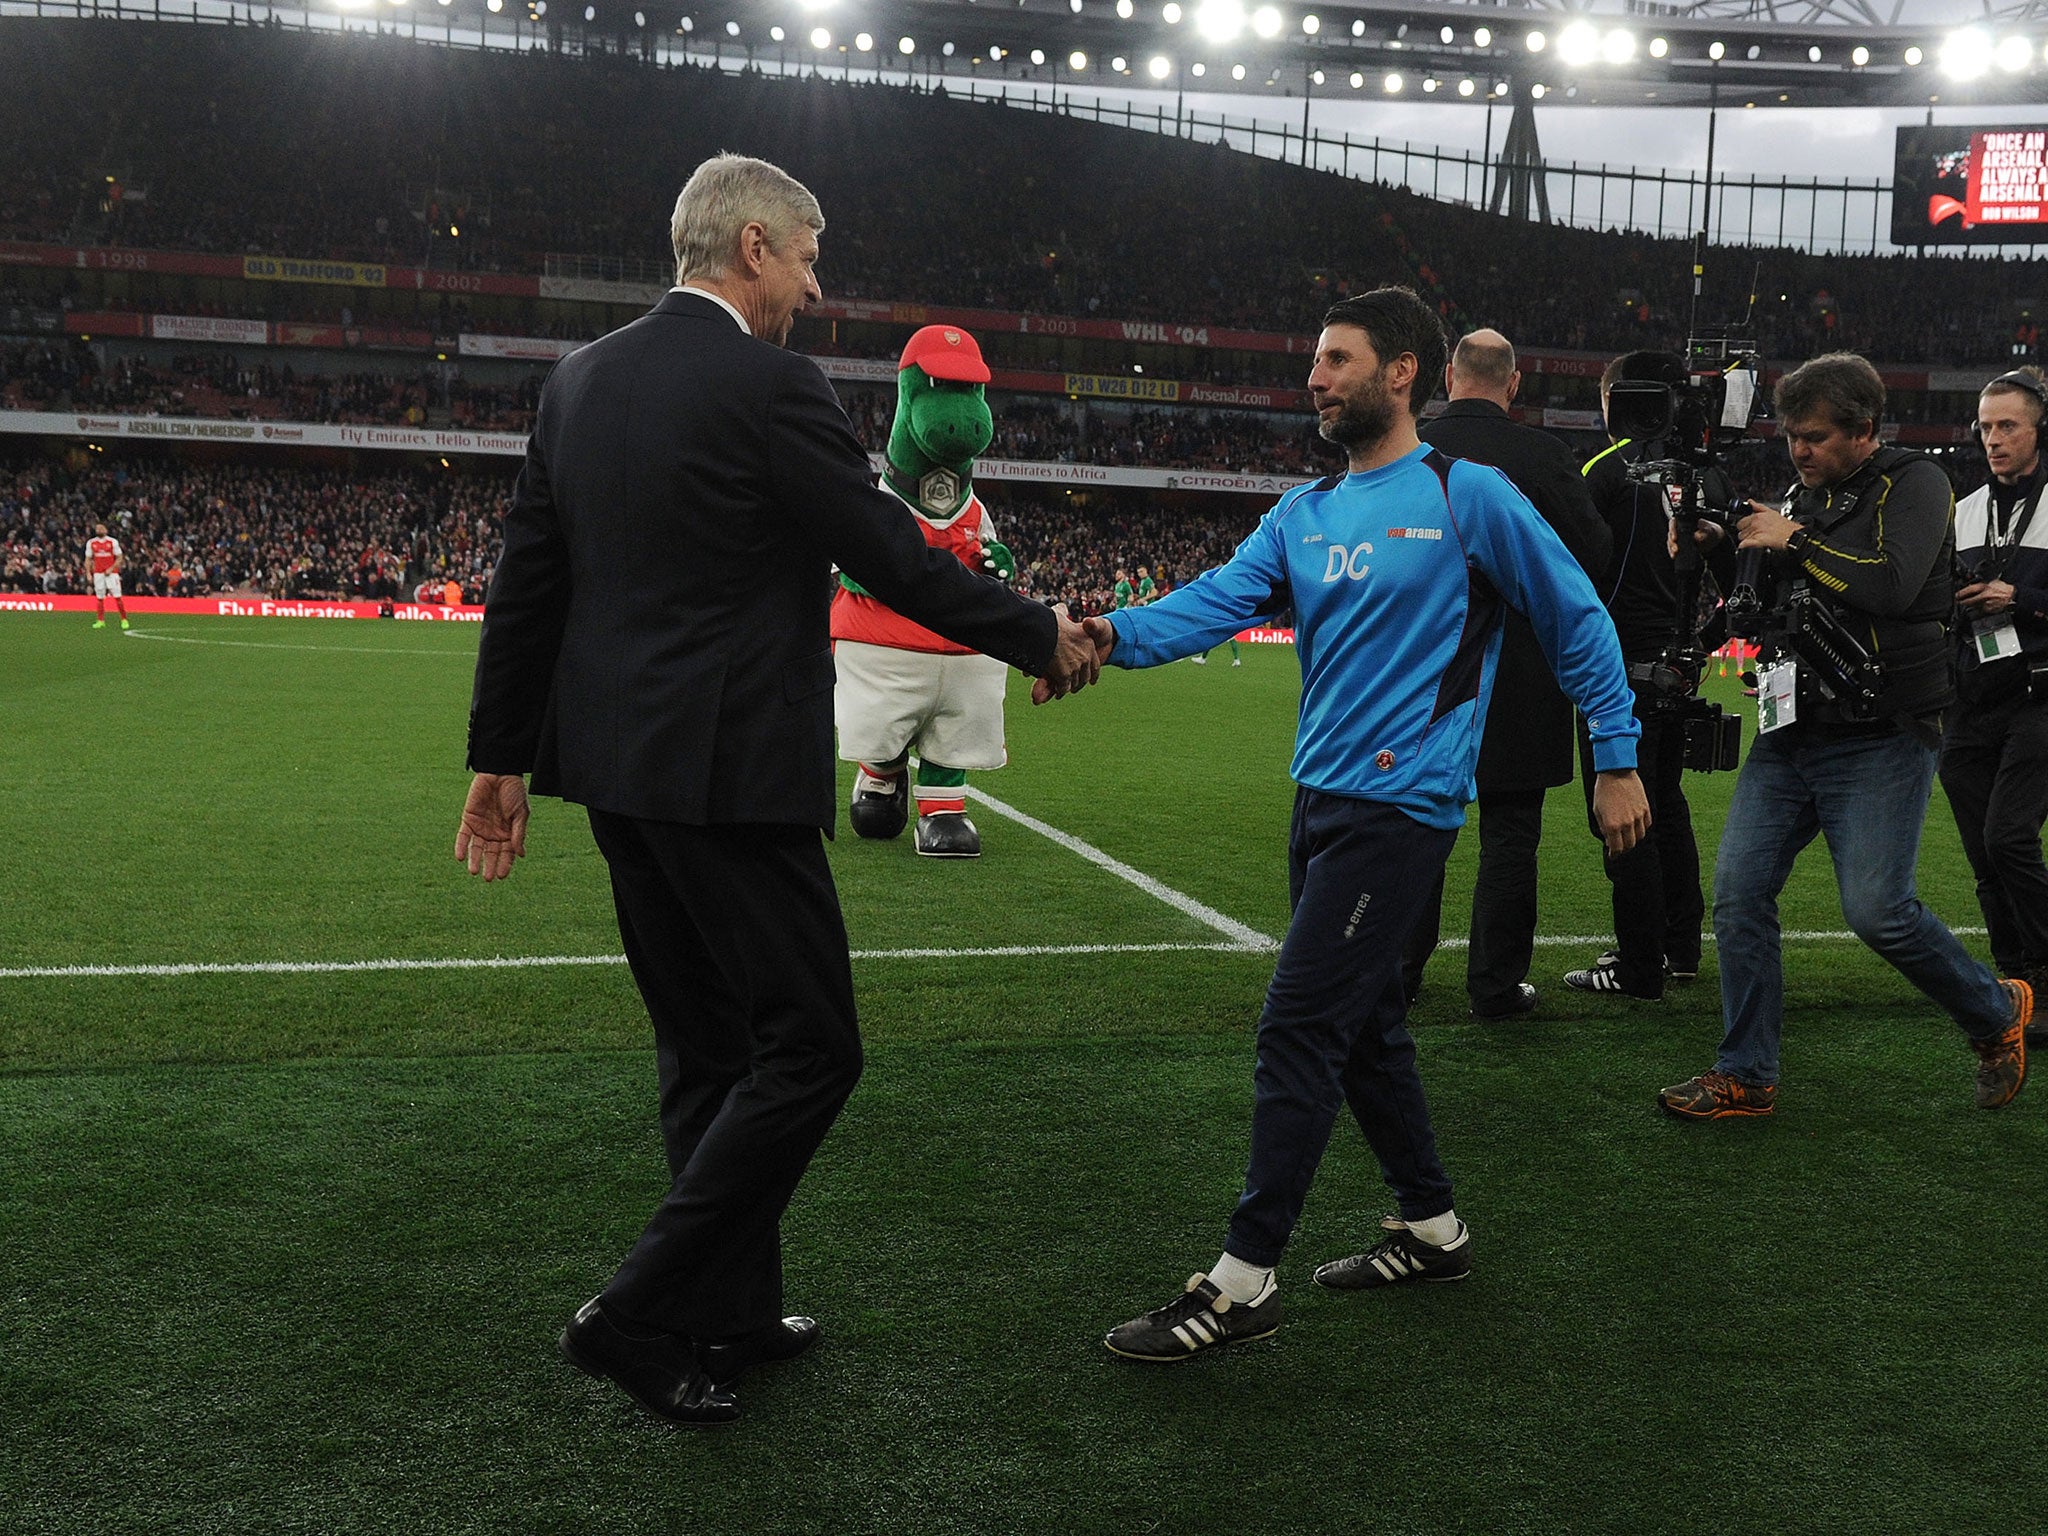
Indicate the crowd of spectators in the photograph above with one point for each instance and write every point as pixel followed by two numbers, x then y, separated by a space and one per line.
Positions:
pixel 980 205
pixel 197 530
pixel 68 375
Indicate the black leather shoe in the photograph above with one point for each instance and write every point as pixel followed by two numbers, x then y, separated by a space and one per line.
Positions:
pixel 659 1371
pixel 1509 1005
pixel 726 1360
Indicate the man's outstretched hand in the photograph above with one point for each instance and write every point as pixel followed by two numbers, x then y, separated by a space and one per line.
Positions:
pixel 493 831
pixel 1076 659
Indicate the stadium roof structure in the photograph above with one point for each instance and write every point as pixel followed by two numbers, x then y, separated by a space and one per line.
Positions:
pixel 1806 53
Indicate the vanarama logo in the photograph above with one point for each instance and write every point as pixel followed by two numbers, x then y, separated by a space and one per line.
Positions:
pixel 1415 533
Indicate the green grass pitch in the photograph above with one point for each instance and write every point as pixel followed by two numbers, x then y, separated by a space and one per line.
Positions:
pixel 285 1251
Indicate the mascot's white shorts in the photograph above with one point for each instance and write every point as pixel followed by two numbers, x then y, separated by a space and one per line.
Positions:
pixel 106 583
pixel 949 709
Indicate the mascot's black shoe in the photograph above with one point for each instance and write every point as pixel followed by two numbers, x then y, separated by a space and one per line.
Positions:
pixel 659 1371
pixel 881 807
pixel 948 835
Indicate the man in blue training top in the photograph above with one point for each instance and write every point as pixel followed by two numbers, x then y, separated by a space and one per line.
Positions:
pixel 1398 573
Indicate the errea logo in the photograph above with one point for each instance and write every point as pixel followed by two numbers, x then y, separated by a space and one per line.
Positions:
pixel 1415 533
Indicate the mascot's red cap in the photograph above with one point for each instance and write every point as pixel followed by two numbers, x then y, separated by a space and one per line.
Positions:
pixel 945 352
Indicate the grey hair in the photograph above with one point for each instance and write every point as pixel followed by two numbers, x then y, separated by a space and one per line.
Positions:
pixel 722 197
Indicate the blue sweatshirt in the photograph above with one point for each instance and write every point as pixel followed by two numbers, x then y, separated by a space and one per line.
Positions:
pixel 1397 578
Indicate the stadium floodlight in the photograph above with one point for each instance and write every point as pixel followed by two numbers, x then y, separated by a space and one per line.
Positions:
pixel 1159 66
pixel 1659 47
pixel 1618 46
pixel 1170 13
pixel 1198 69
pixel 1446 36
pixel 732 28
pixel 1859 56
pixel 777 35
pixel 1266 21
pixel 1536 42
pixel 1717 50
pixel 1077 61
pixel 815 5
pixel 906 45
pixel 1038 56
pixel 1813 54
pixel 1358 29
pixel 1124 8
pixel 1466 87
pixel 1120 65
pixel 1430 84
pixel 1966 55
pixel 1316 76
pixel 1579 43
pixel 996 54
pixel 1482 37
pixel 1074 6
pixel 2014 54
pixel 864 42
pixel 820 38
pixel 947 50
pixel 1392 84
pixel 1237 71
pixel 1913 58
pixel 1311 24
pixel 1220 21
pixel 1357 80
pixel 1536 91
pixel 1500 87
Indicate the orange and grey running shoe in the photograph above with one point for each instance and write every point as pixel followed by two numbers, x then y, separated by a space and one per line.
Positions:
pixel 2002 1058
pixel 1712 1095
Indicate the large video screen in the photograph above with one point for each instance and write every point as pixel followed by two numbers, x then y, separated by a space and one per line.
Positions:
pixel 1971 186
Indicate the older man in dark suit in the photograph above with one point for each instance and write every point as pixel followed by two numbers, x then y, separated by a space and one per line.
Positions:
pixel 1528 746
pixel 655 649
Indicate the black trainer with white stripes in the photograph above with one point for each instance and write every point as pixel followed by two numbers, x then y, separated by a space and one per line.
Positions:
pixel 1400 1256
pixel 1200 1318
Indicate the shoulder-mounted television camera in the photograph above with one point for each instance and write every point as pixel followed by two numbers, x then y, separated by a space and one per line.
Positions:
pixel 1686 412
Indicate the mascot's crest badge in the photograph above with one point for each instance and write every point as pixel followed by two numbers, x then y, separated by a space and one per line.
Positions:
pixel 952 338
pixel 939 490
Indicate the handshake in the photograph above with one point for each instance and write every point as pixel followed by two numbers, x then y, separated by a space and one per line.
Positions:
pixel 1077 656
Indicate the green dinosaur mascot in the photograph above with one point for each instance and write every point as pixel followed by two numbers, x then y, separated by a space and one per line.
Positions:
pixel 902 688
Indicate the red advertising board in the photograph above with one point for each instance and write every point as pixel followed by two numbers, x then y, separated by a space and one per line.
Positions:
pixel 244 607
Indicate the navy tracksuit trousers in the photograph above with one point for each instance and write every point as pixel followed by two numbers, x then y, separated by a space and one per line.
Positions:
pixel 1334 1029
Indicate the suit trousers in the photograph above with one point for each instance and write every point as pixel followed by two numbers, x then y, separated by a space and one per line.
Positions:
pixel 1658 906
pixel 1994 769
pixel 736 941
pixel 1503 903
pixel 1334 1029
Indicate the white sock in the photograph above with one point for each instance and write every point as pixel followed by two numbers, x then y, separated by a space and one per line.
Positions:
pixel 1437 1230
pixel 1245 1284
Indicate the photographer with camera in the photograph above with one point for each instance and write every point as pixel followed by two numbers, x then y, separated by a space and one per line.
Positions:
pixel 1658 908
pixel 1994 754
pixel 1852 598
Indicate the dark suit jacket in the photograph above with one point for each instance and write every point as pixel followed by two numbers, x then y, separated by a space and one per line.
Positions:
pixel 655 642
pixel 1529 742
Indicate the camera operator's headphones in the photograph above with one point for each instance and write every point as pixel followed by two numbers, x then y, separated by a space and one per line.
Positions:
pixel 2025 383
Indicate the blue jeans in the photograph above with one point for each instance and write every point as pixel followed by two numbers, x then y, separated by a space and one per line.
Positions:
pixel 1867 795
pixel 1334 1028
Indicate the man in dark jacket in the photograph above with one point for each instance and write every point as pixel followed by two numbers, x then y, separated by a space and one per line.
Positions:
pixel 655 648
pixel 1868 533
pixel 1528 745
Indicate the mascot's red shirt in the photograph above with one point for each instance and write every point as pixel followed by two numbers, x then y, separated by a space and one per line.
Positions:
pixel 856 616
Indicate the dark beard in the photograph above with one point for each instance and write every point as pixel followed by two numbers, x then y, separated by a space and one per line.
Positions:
pixel 1360 423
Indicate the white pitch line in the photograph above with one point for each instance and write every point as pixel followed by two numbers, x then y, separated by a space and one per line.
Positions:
pixel 273 645
pixel 536 962
pixel 1230 927
pixel 539 962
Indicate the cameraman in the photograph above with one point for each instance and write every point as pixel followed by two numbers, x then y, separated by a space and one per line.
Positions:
pixel 1865 534
pixel 1656 885
pixel 1994 756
